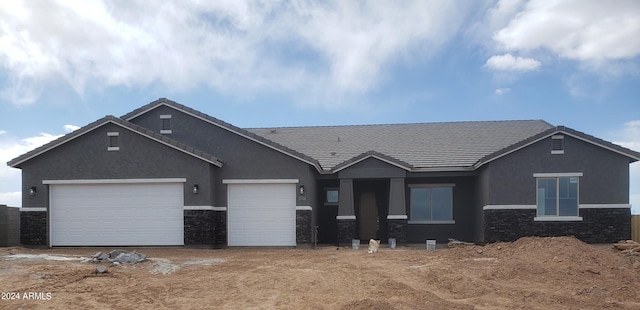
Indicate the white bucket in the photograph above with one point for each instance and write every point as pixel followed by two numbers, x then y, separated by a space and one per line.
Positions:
pixel 355 244
pixel 392 243
pixel 431 245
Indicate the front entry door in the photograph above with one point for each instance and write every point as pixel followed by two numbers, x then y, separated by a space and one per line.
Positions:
pixel 368 216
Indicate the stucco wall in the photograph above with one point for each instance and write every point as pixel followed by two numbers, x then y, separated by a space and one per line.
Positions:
pixel 86 157
pixel 242 158
pixel 464 212
pixel 605 177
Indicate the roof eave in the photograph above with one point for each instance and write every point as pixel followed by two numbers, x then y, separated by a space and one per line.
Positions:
pixel 224 125
pixel 15 163
pixel 372 154
pixel 632 155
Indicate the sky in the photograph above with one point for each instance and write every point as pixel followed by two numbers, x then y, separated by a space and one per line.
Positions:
pixel 65 64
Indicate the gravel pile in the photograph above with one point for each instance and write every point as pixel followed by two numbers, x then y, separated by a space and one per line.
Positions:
pixel 117 257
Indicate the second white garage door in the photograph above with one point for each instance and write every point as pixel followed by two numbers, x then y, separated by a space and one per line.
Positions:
pixel 117 214
pixel 261 214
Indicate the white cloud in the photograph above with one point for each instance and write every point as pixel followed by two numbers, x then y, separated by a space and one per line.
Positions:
pixel 331 47
pixel 2 132
pixel 70 128
pixel 507 62
pixel 12 199
pixel 629 137
pixel 502 91
pixel 583 30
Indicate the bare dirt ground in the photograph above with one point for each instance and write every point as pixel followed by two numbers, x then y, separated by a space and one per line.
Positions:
pixel 531 273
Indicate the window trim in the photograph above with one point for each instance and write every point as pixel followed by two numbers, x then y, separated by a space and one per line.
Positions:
pixel 541 217
pixel 162 120
pixel 431 222
pixel 113 146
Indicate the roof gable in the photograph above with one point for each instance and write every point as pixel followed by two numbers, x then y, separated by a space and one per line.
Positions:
pixel 632 155
pixel 372 154
pixel 226 126
pixel 16 162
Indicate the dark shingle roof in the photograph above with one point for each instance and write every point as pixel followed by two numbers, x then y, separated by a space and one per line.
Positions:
pixel 420 146
pixel 414 147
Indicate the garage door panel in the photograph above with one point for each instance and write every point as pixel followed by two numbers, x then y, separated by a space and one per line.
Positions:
pixel 261 214
pixel 117 214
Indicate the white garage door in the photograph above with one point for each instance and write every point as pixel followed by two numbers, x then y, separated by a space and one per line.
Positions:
pixel 261 214
pixel 117 214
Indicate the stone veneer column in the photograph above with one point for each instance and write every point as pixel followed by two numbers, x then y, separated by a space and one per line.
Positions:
pixel 220 220
pixel 346 216
pixel 33 227
pixel 303 226
pixel 397 218
pixel 199 227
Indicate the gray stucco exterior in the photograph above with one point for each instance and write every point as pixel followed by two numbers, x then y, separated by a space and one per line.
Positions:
pixel 493 199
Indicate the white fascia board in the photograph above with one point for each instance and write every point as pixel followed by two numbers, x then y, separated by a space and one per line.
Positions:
pixel 509 207
pixel 33 209
pixel 227 129
pixel 376 157
pixel 115 181
pixel 605 206
pixel 345 217
pixel 260 181
pixel 558 175
pixel 303 208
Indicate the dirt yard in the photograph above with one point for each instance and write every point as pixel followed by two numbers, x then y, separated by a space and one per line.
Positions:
pixel 531 273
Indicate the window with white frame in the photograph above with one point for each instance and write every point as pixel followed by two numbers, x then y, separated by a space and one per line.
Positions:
pixel 431 203
pixel 557 195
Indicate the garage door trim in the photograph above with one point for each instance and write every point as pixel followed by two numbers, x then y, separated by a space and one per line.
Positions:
pixel 260 181
pixel 115 181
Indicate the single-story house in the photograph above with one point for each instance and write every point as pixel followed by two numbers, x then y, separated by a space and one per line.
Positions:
pixel 166 174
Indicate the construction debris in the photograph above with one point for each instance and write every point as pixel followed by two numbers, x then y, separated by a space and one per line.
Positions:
pixel 627 245
pixel 453 243
pixel 117 257
pixel 632 249
pixel 373 246
pixel 101 269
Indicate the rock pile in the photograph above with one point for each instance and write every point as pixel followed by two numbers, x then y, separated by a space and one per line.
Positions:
pixel 630 248
pixel 117 257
